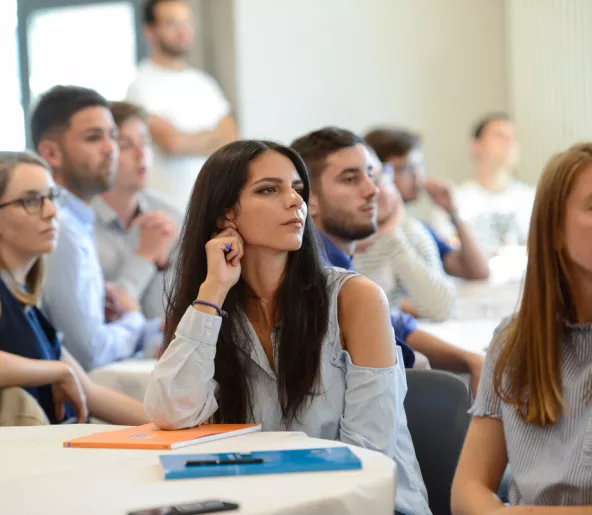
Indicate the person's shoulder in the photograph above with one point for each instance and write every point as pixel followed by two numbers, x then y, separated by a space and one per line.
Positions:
pixel 74 239
pixel 145 70
pixel 206 83
pixel 200 75
pixel 142 84
pixel 151 78
pixel 337 276
pixel 414 224
pixel 468 187
pixel 359 292
pixel 69 250
pixel 350 289
pixel 522 188
pixel 104 213
pixel 471 198
pixel 469 192
pixel 501 335
pixel 69 227
pixel 425 229
pixel 421 231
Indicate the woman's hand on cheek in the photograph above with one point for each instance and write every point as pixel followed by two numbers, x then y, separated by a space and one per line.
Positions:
pixel 224 252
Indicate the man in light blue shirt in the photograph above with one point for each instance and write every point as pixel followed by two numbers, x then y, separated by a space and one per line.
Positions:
pixel 72 128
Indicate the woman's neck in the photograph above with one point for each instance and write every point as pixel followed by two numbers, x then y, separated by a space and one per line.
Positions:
pixel 262 272
pixel 17 266
pixel 124 204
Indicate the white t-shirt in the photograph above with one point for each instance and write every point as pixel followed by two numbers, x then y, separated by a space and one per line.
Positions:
pixel 192 101
pixel 497 220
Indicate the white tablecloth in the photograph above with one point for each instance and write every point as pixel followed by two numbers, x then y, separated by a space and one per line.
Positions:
pixel 470 335
pixel 478 300
pixel 129 377
pixel 40 477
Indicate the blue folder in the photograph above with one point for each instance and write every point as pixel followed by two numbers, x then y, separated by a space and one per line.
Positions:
pixel 274 462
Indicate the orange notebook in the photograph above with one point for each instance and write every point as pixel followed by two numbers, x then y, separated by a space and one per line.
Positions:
pixel 148 436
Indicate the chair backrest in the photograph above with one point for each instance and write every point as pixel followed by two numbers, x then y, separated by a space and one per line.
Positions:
pixel 436 406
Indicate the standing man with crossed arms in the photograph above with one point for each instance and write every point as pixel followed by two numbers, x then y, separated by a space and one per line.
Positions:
pixel 189 115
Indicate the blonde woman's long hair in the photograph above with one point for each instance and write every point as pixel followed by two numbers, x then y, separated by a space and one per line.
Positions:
pixel 9 161
pixel 527 373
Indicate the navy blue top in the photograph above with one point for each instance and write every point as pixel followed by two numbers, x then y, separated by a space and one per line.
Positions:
pixel 443 247
pixel 24 331
pixel 403 324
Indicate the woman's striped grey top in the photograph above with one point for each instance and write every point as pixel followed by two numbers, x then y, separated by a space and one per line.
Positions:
pixel 551 465
pixel 356 405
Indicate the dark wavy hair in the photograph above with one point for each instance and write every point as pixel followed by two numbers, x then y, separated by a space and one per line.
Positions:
pixel 302 297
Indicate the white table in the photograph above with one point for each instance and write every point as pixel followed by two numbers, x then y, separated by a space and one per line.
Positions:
pixel 477 300
pixel 470 335
pixel 480 307
pixel 129 377
pixel 39 476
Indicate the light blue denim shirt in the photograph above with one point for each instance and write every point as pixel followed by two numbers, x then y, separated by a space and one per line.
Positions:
pixel 74 295
pixel 357 405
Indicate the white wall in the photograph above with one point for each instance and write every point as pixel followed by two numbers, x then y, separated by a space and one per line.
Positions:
pixel 433 65
pixel 214 49
pixel 198 55
pixel 550 76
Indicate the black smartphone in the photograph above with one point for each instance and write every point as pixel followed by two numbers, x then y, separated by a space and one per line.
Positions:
pixel 192 508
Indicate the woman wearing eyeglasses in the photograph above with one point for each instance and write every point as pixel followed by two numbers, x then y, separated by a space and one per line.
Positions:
pixel 31 356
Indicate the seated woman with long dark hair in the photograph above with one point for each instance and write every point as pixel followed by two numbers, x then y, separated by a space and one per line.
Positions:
pixel 534 406
pixel 259 331
pixel 31 356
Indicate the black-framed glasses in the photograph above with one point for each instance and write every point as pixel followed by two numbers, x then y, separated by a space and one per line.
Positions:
pixel 33 203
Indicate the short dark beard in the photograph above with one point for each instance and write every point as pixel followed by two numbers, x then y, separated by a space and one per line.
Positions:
pixel 339 229
pixel 85 187
pixel 82 189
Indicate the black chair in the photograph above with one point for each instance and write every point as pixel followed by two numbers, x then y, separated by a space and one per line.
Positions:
pixel 436 406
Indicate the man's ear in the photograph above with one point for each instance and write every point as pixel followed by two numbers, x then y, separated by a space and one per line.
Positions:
pixel 148 34
pixel 50 151
pixel 313 205
pixel 474 148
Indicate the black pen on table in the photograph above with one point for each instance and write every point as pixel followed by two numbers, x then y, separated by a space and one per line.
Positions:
pixel 239 461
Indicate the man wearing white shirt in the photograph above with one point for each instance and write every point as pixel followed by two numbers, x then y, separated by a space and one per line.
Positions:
pixel 495 205
pixel 189 115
